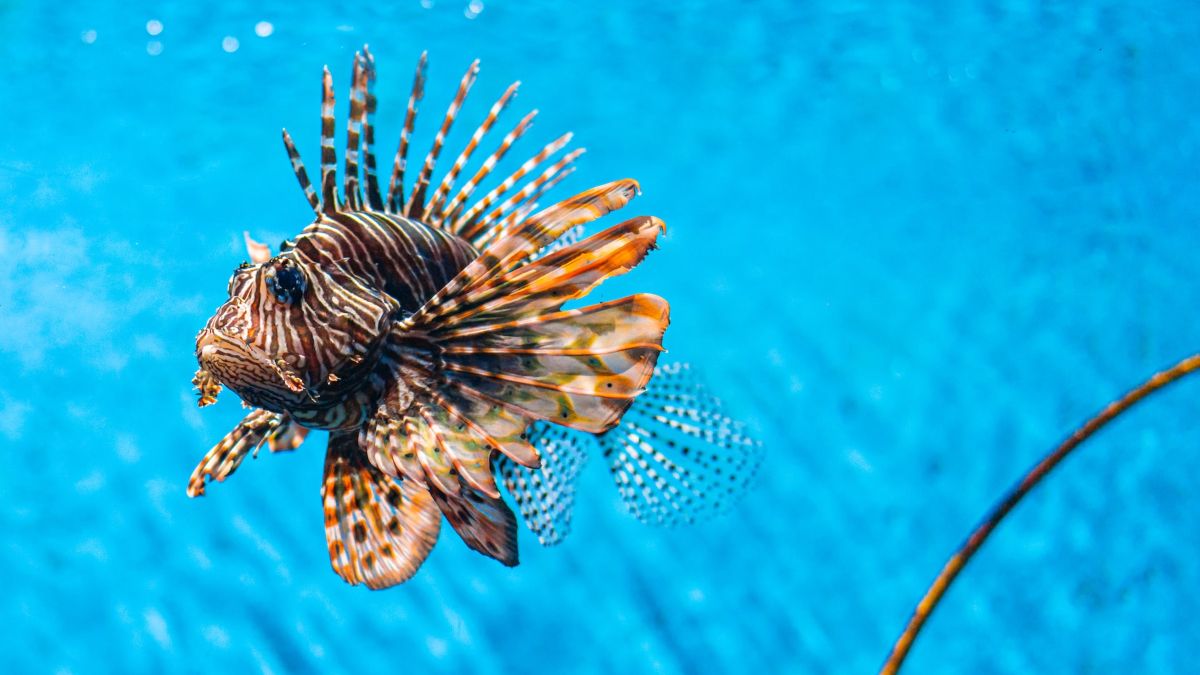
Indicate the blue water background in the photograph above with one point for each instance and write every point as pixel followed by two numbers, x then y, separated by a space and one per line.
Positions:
pixel 910 244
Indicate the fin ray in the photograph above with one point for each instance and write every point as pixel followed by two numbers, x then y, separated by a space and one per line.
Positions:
pixel 301 175
pixel 358 95
pixel 395 196
pixel 415 206
pixel 524 241
pixel 433 212
pixel 455 206
pixel 461 222
pixel 329 189
pixel 374 198
pixel 227 455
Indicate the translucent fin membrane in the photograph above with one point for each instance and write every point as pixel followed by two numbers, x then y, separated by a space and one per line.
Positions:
pixel 545 496
pixel 495 352
pixel 569 238
pixel 675 456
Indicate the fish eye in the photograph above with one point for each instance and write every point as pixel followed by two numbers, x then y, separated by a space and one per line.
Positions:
pixel 286 282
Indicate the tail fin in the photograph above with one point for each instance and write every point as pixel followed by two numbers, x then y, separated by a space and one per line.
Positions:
pixel 676 457
pixel 379 529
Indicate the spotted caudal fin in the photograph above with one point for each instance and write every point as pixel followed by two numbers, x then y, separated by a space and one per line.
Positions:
pixel 481 222
pixel 676 457
pixel 545 495
pixel 379 529
pixel 260 427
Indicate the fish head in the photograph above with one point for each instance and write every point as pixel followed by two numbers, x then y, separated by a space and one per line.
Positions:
pixel 294 333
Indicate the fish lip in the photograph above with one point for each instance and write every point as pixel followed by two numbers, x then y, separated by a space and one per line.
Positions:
pixel 206 343
pixel 244 379
pixel 210 338
pixel 209 342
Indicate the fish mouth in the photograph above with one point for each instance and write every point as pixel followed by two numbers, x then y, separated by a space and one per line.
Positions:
pixel 251 373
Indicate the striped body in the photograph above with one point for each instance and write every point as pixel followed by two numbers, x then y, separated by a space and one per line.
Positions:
pixel 328 352
pixel 403 257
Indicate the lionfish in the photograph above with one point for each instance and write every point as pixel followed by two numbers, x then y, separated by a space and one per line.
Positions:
pixel 425 331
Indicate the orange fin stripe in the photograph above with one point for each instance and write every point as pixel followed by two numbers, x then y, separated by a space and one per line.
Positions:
pixel 463 225
pixel 527 239
pixel 518 379
pixel 569 273
pixel 642 304
pixel 531 190
pixel 553 351
pixel 502 227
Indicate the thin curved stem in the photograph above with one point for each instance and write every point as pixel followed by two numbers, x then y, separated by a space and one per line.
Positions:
pixel 963 555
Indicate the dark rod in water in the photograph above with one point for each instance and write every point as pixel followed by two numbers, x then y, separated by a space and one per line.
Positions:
pixel 963 555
